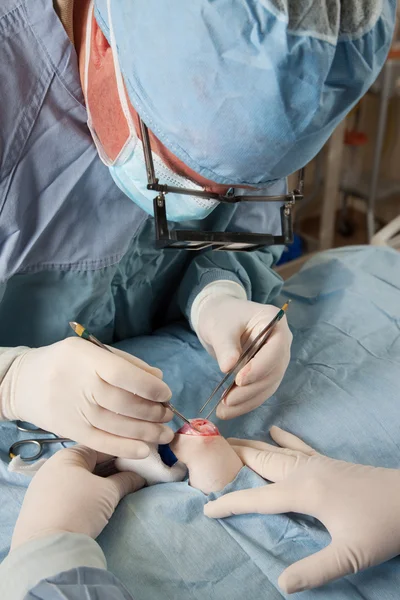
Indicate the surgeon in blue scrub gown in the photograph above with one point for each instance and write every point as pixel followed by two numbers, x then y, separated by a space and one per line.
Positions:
pixel 234 95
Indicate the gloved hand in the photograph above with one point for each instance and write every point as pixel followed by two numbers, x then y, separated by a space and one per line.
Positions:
pixel 65 496
pixel 225 324
pixel 109 402
pixel 359 505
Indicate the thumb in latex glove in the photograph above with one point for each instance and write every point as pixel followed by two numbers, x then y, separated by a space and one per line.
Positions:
pixel 225 324
pixel 65 495
pixel 359 505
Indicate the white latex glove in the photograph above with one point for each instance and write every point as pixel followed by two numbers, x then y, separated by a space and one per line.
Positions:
pixel 224 325
pixel 152 468
pixel 110 402
pixel 359 506
pixel 65 496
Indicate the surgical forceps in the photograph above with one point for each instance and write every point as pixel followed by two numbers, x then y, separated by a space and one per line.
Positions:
pixel 249 352
pixel 86 335
pixel 39 443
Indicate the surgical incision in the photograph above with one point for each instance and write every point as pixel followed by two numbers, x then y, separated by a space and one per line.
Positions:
pixel 201 427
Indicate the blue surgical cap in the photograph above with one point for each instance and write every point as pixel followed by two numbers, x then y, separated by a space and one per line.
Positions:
pixel 247 91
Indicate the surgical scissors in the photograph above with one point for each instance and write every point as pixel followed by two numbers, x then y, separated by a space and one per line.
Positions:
pixel 37 443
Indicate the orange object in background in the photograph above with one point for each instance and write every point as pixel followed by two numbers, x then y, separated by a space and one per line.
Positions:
pixel 355 138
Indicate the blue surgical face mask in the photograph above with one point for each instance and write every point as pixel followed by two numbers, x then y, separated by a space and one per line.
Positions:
pixel 128 169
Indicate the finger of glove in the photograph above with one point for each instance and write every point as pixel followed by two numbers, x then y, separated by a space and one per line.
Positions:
pixel 226 411
pixel 270 499
pixel 77 456
pixel 316 570
pixel 226 346
pixel 290 441
pixel 114 445
pixel 257 445
pixel 124 403
pixel 231 412
pixel 271 465
pixel 263 390
pixel 123 374
pixel 110 422
pixel 138 362
pixel 273 358
pixel 125 483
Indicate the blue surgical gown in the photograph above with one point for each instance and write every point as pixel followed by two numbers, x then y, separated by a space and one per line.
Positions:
pixel 72 246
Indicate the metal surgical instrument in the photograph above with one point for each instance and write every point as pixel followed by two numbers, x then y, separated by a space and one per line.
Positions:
pixel 86 335
pixel 249 352
pixel 37 444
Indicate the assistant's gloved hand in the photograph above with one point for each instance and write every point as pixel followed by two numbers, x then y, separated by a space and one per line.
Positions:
pixel 110 402
pixel 359 505
pixel 224 325
pixel 65 496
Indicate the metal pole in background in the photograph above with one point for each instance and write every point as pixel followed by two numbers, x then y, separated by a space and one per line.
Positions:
pixel 330 199
pixel 380 136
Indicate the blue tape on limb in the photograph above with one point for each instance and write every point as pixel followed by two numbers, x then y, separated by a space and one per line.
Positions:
pixel 167 456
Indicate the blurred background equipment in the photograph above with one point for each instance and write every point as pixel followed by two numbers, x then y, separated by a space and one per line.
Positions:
pixel 352 188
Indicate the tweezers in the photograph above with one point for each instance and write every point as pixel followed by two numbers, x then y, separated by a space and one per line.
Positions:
pixel 248 353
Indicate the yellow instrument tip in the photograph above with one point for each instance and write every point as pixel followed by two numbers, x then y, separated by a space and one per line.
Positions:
pixel 79 329
pixel 285 306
